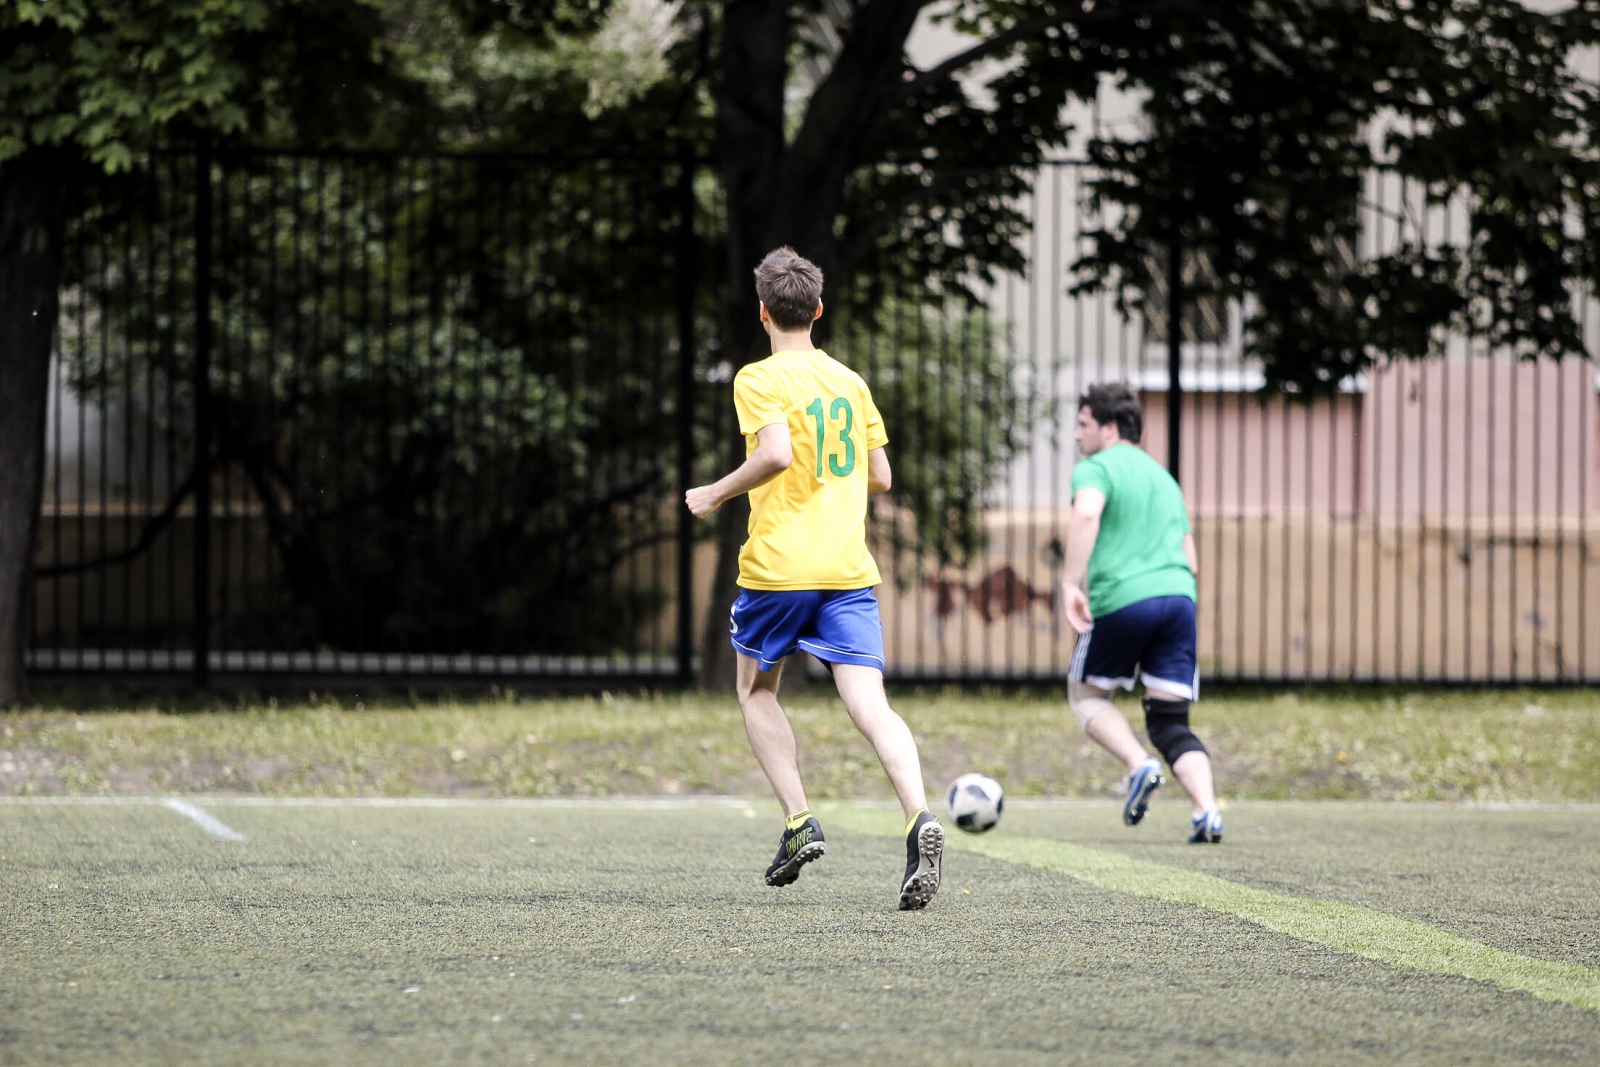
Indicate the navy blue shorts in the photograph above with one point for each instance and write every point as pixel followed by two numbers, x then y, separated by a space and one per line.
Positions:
pixel 1151 640
pixel 836 625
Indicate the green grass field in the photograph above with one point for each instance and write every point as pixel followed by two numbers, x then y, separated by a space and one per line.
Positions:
pixel 1356 745
pixel 1406 878
pixel 357 932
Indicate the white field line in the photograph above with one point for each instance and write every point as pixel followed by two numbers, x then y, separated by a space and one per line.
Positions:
pixel 527 803
pixel 206 821
pixel 1112 803
pixel 520 803
pixel 684 803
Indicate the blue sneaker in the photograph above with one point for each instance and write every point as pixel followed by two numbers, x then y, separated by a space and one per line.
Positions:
pixel 1207 828
pixel 1144 780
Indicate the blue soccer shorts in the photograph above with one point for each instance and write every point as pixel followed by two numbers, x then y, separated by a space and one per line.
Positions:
pixel 1153 640
pixel 835 625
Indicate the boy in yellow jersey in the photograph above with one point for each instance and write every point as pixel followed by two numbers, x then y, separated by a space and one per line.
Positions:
pixel 814 450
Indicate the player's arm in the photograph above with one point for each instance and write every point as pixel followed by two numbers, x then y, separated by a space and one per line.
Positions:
pixel 771 458
pixel 879 477
pixel 1191 554
pixel 1082 531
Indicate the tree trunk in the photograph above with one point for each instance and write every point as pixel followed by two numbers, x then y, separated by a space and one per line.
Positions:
pixel 778 195
pixel 32 223
pixel 755 39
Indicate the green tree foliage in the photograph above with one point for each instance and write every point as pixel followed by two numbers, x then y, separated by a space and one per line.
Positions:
pixel 1262 122
pixel 1265 125
pixel 108 80
pixel 554 77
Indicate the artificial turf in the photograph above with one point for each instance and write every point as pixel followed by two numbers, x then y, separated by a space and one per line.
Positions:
pixel 351 932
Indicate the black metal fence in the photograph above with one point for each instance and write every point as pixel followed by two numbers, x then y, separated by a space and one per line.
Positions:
pixel 373 415
pixel 410 417
pixel 1434 521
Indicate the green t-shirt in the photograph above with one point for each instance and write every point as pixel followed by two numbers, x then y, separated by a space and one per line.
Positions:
pixel 1139 552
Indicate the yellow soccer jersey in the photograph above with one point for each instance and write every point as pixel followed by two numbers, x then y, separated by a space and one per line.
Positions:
pixel 808 526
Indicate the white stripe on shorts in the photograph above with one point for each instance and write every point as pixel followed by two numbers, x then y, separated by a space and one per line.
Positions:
pixel 1101 682
pixel 1080 652
pixel 814 646
pixel 1177 689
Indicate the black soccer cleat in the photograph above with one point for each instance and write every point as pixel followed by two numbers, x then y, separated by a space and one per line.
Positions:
pixel 924 848
pixel 797 848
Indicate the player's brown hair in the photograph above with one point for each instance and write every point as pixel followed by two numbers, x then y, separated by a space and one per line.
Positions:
pixel 1115 402
pixel 790 286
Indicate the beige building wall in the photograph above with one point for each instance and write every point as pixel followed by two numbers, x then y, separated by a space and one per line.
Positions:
pixel 1444 523
pixel 1457 439
pixel 1288 597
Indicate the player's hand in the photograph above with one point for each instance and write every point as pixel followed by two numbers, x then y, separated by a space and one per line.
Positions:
pixel 1075 606
pixel 702 500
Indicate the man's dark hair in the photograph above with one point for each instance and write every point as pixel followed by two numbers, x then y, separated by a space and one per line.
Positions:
pixel 791 287
pixel 1115 402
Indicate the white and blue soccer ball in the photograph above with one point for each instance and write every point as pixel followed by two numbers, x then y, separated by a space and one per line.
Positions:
pixel 975 802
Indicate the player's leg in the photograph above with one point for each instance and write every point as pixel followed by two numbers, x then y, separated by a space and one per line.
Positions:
pixel 861 689
pixel 763 627
pixel 771 736
pixel 1171 680
pixel 849 638
pixel 1168 717
pixel 1104 723
pixel 1167 720
pixel 1106 658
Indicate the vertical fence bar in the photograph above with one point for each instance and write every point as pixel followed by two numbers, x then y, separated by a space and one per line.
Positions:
pixel 1514 545
pixel 233 276
pixel 202 415
pixel 1210 588
pixel 58 375
pixel 130 485
pixel 170 450
pixel 1492 536
pixel 1467 495
pixel 1174 351
pixel 1584 506
pixel 272 366
pixel 297 368
pixel 104 408
pixel 80 532
pixel 685 282
pixel 369 638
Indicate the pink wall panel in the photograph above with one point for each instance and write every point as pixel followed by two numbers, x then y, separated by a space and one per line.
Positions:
pixel 1244 455
pixel 1434 440
pixel 1482 438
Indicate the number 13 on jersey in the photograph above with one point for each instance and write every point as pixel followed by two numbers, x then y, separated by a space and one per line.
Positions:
pixel 842 417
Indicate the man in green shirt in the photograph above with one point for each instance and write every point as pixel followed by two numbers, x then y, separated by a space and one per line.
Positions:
pixel 1129 591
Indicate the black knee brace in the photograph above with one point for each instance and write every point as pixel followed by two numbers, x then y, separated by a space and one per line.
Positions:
pixel 1167 722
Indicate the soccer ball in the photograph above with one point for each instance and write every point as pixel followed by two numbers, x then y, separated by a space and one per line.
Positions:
pixel 975 802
